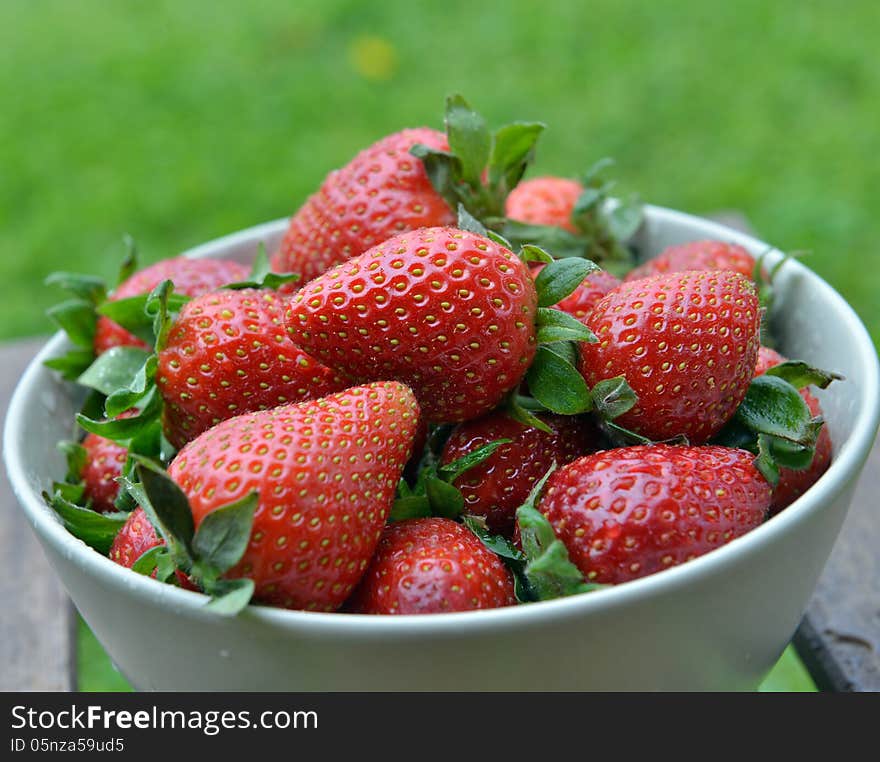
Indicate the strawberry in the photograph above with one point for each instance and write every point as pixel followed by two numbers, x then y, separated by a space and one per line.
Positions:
pixel 581 301
pixel 432 566
pixel 793 483
pixel 135 538
pixel 324 473
pixel 697 255
pixel 495 488
pixel 383 191
pixel 104 462
pixel 632 511
pixel 687 345
pixel 448 312
pixel 191 277
pixel 227 353
pixel 545 201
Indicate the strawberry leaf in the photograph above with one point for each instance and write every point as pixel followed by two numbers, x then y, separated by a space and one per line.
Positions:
pixel 443 170
pixel 129 264
pixel 531 253
pixel 167 507
pixel 444 498
pixel 555 325
pixel 223 535
pixel 76 456
pixel 88 288
pixel 148 561
pixel 115 369
pixel 559 242
pixel 774 407
pixel 522 409
pixel 613 397
pixel 97 530
pixel 513 149
pixel 559 279
pixel 71 364
pixel 800 374
pixel 410 507
pixel 451 471
pixel 466 221
pixel 230 596
pixel 556 383
pixel 262 276
pixel 468 137
pixel 76 317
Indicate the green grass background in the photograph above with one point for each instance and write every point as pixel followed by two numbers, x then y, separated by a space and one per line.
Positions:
pixel 181 121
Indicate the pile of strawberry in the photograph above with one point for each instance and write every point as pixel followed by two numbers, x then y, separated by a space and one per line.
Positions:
pixel 436 395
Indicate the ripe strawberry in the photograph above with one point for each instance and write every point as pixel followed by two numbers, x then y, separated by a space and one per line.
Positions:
pixel 136 537
pixel 104 462
pixel 580 302
pixel 191 277
pixel 383 191
pixel 495 488
pixel 545 201
pixel 792 483
pixel 633 511
pixel 325 472
pixel 228 353
pixel 432 566
pixel 697 255
pixel 687 344
pixel 447 312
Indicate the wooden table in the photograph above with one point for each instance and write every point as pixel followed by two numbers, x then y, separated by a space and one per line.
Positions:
pixel 839 638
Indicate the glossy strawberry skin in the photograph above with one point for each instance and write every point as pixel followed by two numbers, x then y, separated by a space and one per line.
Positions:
pixel 228 353
pixel 687 344
pixel 191 277
pixel 793 484
pixel 325 472
pixel 580 302
pixel 633 511
pixel 432 566
pixel 135 538
pixel 447 312
pixel 697 255
pixel 104 463
pixel 495 488
pixel 382 192
pixel 544 201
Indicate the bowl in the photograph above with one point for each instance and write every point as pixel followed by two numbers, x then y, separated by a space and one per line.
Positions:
pixel 719 622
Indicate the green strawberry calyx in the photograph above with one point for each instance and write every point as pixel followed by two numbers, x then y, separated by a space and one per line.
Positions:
pixel 774 422
pixel 480 168
pixel 433 493
pixel 204 554
pixel 603 226
pixel 542 570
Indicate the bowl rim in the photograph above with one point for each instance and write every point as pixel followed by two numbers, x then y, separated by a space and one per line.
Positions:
pixel 847 462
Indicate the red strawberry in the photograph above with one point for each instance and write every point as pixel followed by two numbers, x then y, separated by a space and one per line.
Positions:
pixel 191 277
pixel 383 191
pixel 228 353
pixel 432 566
pixel 580 302
pixel 445 311
pixel 792 483
pixel 697 255
pixel 545 201
pixel 633 511
pixel 687 344
pixel 136 537
pixel 325 472
pixel 496 487
pixel 104 463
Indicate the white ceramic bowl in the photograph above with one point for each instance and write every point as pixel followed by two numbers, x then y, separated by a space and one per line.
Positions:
pixel 719 622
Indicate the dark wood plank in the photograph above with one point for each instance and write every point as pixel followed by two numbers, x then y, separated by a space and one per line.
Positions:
pixel 37 645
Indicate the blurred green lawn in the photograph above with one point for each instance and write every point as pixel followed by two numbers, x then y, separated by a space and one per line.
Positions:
pixel 181 121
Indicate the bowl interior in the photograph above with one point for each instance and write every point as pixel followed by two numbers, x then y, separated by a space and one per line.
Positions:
pixel 812 321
